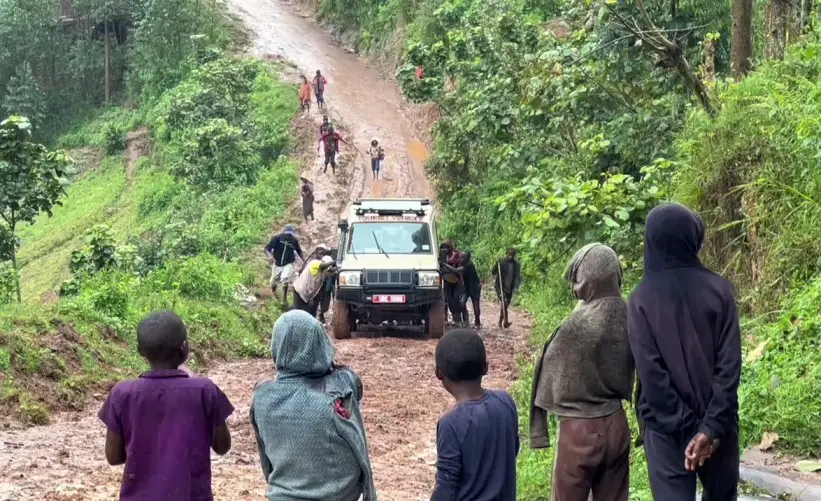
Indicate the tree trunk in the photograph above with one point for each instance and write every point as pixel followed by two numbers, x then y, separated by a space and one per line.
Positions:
pixel 708 60
pixel 107 64
pixel 806 13
pixel 777 14
pixel 694 83
pixel 16 271
pixel 741 62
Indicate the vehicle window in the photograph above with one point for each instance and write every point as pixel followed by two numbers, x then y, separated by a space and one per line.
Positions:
pixel 393 238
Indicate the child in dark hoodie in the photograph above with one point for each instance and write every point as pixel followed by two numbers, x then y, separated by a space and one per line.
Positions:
pixel 585 372
pixel 684 334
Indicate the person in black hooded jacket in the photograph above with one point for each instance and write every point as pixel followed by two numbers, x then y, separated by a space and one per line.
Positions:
pixel 684 334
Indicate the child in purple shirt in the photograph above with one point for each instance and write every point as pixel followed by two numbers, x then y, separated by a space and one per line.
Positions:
pixel 163 425
pixel 478 440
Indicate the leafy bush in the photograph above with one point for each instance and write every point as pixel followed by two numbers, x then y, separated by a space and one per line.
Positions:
pixel 8 282
pixel 216 155
pixel 782 389
pixel 201 277
pixel 114 139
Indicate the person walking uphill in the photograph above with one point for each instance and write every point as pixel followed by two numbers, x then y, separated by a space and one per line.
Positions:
pixel 307 194
pixel 507 276
pixel 684 334
pixel 330 140
pixel 585 372
pixel 307 423
pixel 282 251
pixel 164 425
pixel 305 94
pixel 377 154
pixel 319 84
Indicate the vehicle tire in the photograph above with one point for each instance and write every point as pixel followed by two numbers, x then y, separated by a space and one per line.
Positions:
pixel 435 321
pixel 342 324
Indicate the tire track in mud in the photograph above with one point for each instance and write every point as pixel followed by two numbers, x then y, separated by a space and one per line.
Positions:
pixel 403 400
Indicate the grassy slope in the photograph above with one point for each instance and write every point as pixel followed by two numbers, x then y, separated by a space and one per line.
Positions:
pixel 46 363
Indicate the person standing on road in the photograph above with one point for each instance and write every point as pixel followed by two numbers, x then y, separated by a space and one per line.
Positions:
pixel 507 276
pixel 330 140
pixel 377 154
pixel 308 424
pixel 585 371
pixel 307 193
pixel 326 294
pixel 684 334
pixel 305 94
pixel 319 84
pixel 309 283
pixel 477 441
pixel 164 425
pixel 282 251
pixel 471 288
pixel 453 283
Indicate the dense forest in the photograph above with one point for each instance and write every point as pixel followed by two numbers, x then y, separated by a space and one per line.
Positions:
pixel 140 162
pixel 565 121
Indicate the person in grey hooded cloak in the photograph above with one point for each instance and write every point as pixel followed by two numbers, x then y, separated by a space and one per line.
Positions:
pixel 585 372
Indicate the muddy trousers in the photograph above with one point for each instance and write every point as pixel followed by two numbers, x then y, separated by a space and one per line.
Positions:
pixel 593 456
pixel 309 307
pixel 670 481
pixel 473 294
pixel 453 293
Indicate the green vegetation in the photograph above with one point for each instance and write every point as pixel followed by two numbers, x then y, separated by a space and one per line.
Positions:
pixel 566 121
pixel 171 192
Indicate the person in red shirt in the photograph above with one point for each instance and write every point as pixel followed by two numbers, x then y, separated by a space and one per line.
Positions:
pixel 319 84
pixel 330 140
pixel 454 283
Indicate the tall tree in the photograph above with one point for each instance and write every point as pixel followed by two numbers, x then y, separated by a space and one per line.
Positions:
pixel 778 24
pixel 23 96
pixel 31 181
pixel 741 61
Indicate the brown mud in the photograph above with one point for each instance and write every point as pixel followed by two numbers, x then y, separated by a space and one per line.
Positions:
pixel 403 400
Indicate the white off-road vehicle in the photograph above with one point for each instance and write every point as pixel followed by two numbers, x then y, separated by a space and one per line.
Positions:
pixel 388 267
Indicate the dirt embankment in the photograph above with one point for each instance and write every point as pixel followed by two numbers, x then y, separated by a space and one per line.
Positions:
pixel 403 399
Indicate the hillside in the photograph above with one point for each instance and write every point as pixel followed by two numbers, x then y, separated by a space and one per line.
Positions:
pixel 167 202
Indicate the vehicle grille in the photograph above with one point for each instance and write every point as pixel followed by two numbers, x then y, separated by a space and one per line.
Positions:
pixel 388 277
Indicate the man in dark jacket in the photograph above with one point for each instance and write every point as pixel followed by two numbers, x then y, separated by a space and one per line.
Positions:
pixel 507 275
pixel 282 251
pixel 684 335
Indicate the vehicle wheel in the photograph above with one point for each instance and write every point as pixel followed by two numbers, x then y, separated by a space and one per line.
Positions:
pixel 435 321
pixel 342 324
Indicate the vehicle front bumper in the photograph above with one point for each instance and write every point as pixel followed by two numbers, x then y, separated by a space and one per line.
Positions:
pixel 362 297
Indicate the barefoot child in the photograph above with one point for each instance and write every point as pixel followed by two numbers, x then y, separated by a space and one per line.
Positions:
pixel 305 94
pixel 164 424
pixel 478 440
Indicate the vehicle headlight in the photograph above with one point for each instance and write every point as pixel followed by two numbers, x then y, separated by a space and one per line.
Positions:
pixel 429 279
pixel 350 278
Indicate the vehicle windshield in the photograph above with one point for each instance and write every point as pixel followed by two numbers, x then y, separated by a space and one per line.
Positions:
pixel 389 238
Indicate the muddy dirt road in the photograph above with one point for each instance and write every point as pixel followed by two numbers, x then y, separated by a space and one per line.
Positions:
pixel 403 400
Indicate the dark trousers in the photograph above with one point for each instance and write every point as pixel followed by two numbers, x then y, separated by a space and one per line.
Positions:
pixel 474 293
pixel 670 481
pixel 320 97
pixel 593 456
pixel 505 298
pixel 330 159
pixel 301 304
pixel 453 293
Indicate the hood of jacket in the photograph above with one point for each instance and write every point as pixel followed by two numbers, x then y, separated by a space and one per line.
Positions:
pixel 672 238
pixel 594 273
pixel 300 346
